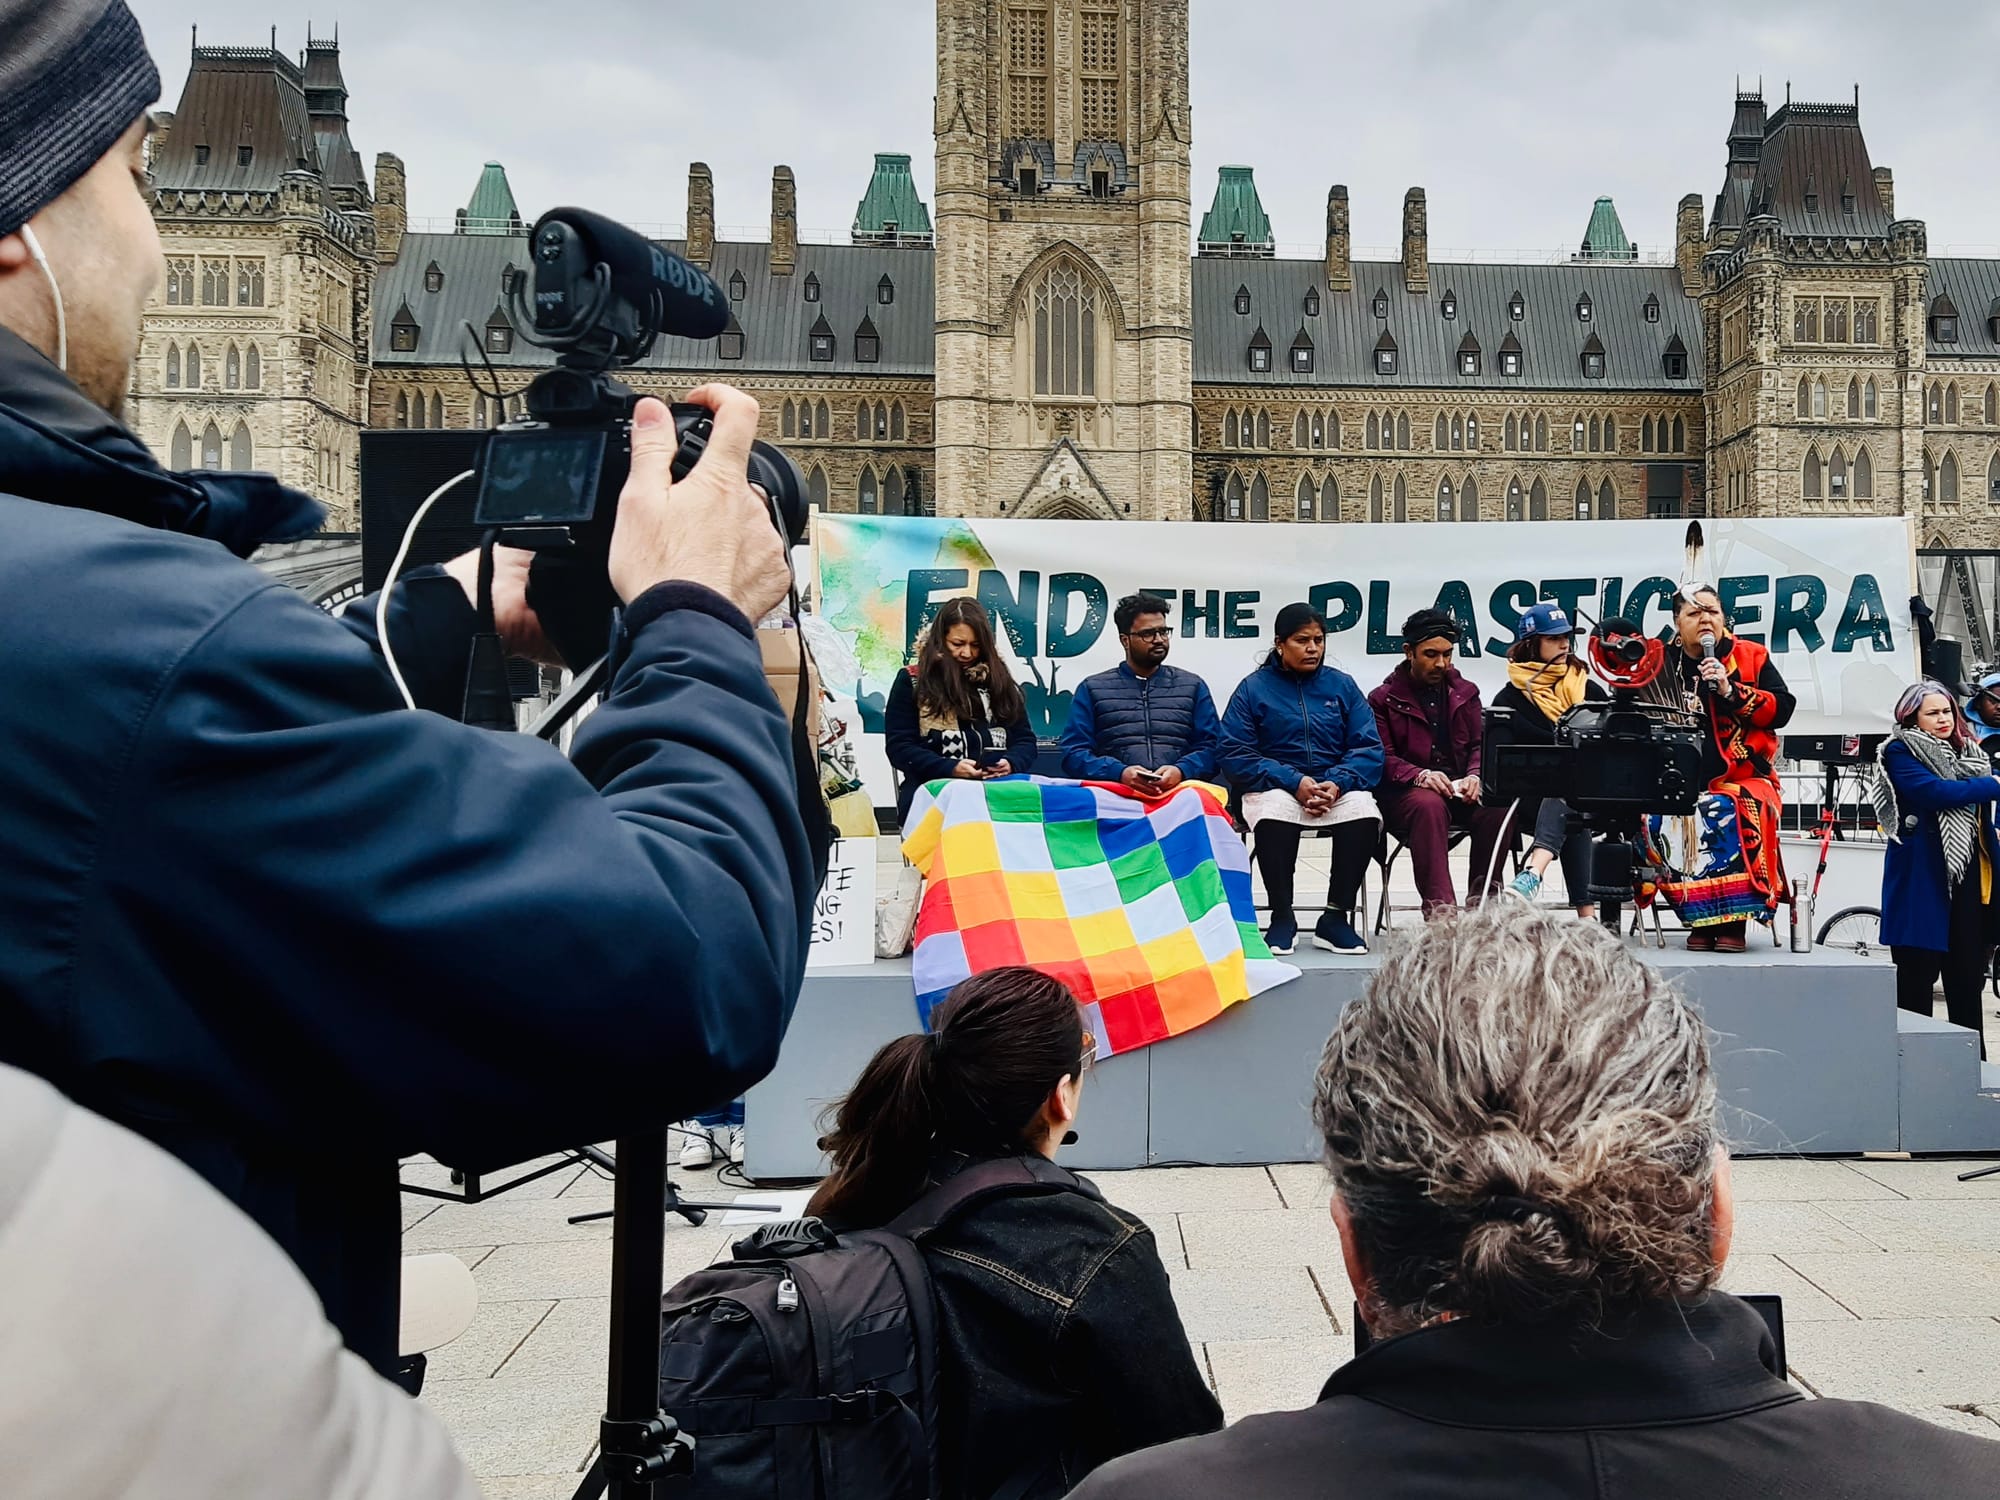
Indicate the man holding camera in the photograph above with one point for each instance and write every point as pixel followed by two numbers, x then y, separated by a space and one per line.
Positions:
pixel 252 907
pixel 1142 722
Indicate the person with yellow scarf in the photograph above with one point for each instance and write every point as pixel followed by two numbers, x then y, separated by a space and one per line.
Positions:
pixel 1545 680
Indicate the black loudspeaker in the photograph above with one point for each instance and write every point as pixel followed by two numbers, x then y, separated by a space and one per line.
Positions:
pixel 1945 662
pixel 398 471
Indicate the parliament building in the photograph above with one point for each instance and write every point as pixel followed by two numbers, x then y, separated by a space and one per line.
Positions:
pixel 1056 338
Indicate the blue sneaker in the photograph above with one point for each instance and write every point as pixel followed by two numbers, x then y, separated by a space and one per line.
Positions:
pixel 1282 935
pixel 1337 935
pixel 1526 885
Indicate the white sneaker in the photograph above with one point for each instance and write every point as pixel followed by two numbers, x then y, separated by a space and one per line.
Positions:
pixel 736 1144
pixel 698 1147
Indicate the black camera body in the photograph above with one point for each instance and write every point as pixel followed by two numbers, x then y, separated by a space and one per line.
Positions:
pixel 550 480
pixel 1609 759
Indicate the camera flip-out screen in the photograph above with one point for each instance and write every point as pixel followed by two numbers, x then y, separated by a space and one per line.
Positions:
pixel 542 477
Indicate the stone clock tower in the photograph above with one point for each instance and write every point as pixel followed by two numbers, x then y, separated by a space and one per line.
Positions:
pixel 1064 345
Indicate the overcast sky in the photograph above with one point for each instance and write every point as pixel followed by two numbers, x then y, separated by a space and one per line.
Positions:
pixel 1513 116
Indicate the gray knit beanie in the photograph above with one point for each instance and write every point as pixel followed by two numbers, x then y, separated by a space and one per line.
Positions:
pixel 74 75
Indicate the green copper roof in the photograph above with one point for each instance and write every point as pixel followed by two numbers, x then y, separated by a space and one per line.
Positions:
pixel 1605 239
pixel 891 199
pixel 1237 214
pixel 491 208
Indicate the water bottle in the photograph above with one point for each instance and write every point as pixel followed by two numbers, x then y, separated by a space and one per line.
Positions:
pixel 1802 916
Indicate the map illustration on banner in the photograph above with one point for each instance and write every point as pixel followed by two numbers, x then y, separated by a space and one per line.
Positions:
pixel 1830 598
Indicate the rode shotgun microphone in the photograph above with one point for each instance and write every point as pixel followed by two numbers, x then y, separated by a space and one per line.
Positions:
pixel 603 290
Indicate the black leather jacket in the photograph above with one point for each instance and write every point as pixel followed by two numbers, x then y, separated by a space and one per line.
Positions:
pixel 1062 1348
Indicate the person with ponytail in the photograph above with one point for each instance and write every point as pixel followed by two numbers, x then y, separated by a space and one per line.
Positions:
pixel 1934 797
pixel 1545 680
pixel 955 710
pixel 1062 1348
pixel 1529 1183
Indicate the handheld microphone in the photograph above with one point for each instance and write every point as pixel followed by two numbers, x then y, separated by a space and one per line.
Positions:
pixel 1708 645
pixel 569 243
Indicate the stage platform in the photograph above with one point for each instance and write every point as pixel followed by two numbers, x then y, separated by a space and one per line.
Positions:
pixel 1812 1055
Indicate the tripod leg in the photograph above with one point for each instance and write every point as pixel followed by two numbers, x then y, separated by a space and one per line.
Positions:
pixel 593 1480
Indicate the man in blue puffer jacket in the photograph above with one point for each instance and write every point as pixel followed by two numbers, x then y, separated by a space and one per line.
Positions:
pixel 253 908
pixel 1142 722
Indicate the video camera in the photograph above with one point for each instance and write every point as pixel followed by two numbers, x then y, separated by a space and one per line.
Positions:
pixel 1614 763
pixel 601 296
pixel 1610 759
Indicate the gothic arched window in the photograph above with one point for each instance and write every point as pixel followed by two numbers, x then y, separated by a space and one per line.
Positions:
pixel 1375 498
pixel 192 369
pixel 1809 480
pixel 241 453
pixel 1538 502
pixel 1306 497
pixel 211 447
pixel 1260 499
pixel 1864 476
pixel 1445 505
pixel 1468 499
pixel 253 369
pixel 1065 332
pixel 866 494
pixel 181 451
pixel 1607 502
pixel 1402 500
pixel 1580 506
pixel 173 366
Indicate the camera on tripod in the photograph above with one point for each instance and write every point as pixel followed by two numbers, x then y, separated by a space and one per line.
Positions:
pixel 601 296
pixel 1613 763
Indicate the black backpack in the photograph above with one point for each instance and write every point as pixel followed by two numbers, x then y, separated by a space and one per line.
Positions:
pixel 806 1367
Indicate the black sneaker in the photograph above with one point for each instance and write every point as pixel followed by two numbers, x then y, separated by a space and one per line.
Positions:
pixel 1337 935
pixel 1282 935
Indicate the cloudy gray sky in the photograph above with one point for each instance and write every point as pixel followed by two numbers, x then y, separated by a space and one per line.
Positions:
pixel 1513 116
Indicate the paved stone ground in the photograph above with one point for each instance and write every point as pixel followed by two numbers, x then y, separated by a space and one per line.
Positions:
pixel 1890 1271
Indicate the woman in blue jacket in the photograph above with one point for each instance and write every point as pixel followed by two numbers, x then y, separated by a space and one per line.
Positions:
pixel 1934 795
pixel 1299 741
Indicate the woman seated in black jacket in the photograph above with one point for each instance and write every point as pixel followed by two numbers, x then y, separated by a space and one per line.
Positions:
pixel 1061 1344
pixel 956 710
pixel 1545 680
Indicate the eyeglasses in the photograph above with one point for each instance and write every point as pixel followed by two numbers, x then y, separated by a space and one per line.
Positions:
pixel 1165 632
pixel 1089 1056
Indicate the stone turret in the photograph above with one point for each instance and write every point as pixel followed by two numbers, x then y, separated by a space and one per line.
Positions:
pixel 391 207
pixel 1339 242
pixel 1416 242
pixel 701 215
pixel 784 222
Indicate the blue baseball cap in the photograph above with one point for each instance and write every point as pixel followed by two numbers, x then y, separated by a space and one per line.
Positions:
pixel 1543 619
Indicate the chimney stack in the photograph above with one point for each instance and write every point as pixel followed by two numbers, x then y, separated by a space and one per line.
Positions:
pixel 1339 242
pixel 784 222
pixel 391 210
pixel 1416 243
pixel 1690 244
pixel 701 215
pixel 1885 186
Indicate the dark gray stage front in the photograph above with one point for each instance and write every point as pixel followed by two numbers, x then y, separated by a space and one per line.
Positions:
pixel 1812 1055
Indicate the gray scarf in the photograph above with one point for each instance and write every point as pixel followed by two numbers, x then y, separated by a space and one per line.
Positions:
pixel 1958 827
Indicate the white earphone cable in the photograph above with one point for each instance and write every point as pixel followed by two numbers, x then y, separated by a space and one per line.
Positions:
pixel 40 258
pixel 389 583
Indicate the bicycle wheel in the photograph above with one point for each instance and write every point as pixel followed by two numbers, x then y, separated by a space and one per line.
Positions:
pixel 1856 930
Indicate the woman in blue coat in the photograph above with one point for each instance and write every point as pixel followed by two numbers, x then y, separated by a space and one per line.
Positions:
pixel 1300 742
pixel 1935 795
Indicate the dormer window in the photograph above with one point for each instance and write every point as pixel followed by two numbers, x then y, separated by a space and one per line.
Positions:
pixel 1675 360
pixel 1847 201
pixel 1385 354
pixel 1583 308
pixel 1593 358
pixel 433 277
pixel 1510 361
pixel 403 338
pixel 738 287
pixel 201 156
pixel 819 343
pixel 1516 308
pixel 1243 302
pixel 507 275
pixel 1302 354
pixel 867 343
pixel 1468 355
pixel 1100 182
pixel 1029 184
pixel 1812 197
pixel 885 291
pixel 1652 309
pixel 1944 321
pixel 243 154
pixel 1381 304
pixel 499 334
pixel 1260 351
pixel 1449 306
pixel 730 345
pixel 1312 301
pixel 811 288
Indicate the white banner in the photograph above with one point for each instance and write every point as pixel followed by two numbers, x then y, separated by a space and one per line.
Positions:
pixel 1829 597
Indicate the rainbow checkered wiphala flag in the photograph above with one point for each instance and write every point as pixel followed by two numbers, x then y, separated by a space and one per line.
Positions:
pixel 1142 908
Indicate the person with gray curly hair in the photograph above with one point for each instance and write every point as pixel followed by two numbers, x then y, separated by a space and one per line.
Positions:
pixel 1533 1202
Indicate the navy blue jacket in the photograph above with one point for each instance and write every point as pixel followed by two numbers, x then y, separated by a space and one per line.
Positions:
pixel 255 910
pixel 1916 903
pixel 1282 728
pixel 1119 719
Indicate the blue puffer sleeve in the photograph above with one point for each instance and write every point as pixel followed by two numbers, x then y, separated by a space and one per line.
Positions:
pixel 454 940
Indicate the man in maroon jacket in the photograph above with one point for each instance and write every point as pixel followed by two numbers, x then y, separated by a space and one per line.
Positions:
pixel 1432 727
